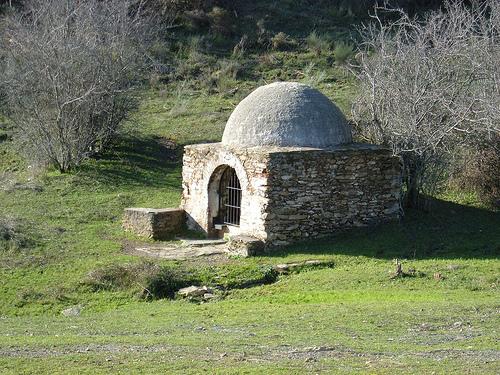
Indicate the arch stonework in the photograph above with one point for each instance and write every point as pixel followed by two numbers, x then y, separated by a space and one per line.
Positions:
pixel 201 173
pixel 213 187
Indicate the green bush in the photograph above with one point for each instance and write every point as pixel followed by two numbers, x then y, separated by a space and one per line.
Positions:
pixel 150 281
pixel 146 279
pixel 283 42
pixel 312 76
pixel 221 21
pixel 165 283
pixel 13 235
pixel 192 61
pixel 342 53
pixel 223 78
pixel 317 43
pixel 479 171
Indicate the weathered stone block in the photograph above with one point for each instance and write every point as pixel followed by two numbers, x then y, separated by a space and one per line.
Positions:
pixel 245 245
pixel 154 223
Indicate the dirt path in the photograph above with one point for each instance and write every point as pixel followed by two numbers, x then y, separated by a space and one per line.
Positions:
pixel 263 354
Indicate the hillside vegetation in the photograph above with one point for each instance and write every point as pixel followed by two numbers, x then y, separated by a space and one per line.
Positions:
pixel 61 242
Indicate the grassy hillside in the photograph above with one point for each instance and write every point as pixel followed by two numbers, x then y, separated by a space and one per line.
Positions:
pixel 55 229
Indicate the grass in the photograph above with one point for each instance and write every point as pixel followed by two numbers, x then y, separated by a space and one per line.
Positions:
pixel 352 317
pixel 349 318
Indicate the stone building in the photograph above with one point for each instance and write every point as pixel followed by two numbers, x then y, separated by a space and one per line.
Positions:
pixel 287 170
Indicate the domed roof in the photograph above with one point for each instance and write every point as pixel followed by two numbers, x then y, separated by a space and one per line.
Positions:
pixel 286 114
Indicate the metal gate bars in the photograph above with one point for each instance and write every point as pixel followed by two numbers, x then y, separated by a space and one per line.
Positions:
pixel 230 197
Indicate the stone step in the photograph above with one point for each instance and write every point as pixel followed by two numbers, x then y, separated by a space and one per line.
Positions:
pixel 202 243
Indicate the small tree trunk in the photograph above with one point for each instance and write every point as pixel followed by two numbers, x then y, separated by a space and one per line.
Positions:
pixel 412 194
pixel 412 183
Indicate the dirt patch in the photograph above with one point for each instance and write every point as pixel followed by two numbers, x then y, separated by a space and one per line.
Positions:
pixel 258 354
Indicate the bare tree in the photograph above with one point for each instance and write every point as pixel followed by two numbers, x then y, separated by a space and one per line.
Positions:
pixel 70 67
pixel 430 85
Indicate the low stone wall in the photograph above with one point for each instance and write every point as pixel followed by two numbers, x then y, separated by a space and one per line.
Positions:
pixel 154 223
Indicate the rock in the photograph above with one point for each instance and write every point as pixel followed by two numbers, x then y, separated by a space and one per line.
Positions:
pixel 453 267
pixel 438 276
pixel 72 311
pixel 202 243
pixel 179 252
pixel 154 223
pixel 245 246
pixel 289 267
pixel 194 291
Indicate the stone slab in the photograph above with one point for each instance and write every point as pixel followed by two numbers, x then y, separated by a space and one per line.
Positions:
pixel 180 252
pixel 155 223
pixel 243 245
pixel 201 243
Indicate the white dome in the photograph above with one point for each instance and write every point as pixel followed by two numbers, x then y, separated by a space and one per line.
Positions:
pixel 286 114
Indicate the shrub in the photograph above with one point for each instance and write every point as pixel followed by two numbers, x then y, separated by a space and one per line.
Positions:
pixel 223 78
pixel 164 283
pixel 191 60
pixel 198 19
pixel 282 42
pixel 13 235
pixel 240 48
pixel 267 60
pixel 263 35
pixel 69 76
pixel 221 21
pixel 148 280
pixel 428 88
pixel 479 171
pixel 317 43
pixel 342 53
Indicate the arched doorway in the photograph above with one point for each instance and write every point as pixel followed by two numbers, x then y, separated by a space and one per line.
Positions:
pixel 224 202
pixel 229 198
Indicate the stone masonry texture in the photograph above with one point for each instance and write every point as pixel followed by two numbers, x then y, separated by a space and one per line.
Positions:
pixel 290 194
pixel 153 223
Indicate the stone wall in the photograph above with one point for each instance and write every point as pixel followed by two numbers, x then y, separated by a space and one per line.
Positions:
pixel 315 193
pixel 154 223
pixel 202 168
pixel 292 194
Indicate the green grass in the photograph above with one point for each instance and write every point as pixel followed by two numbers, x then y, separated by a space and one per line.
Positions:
pixel 349 318
pixel 352 317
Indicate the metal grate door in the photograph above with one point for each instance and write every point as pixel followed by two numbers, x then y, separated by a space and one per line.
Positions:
pixel 230 198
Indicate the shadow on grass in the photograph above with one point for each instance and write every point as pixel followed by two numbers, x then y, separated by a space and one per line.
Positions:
pixel 447 231
pixel 147 161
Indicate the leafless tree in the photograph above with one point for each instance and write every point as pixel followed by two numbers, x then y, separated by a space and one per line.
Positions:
pixel 70 66
pixel 430 85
